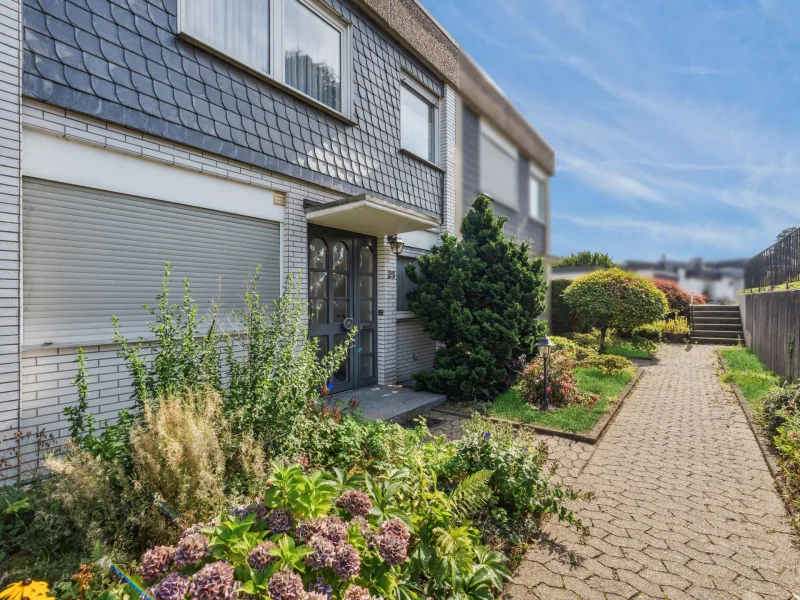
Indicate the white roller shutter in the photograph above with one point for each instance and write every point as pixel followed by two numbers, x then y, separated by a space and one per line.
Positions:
pixel 89 255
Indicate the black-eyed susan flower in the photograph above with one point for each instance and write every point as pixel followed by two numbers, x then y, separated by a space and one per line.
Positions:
pixel 30 589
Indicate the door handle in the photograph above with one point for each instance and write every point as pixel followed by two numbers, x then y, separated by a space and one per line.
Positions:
pixel 348 323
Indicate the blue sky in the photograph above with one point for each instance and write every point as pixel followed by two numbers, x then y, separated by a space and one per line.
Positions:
pixel 676 123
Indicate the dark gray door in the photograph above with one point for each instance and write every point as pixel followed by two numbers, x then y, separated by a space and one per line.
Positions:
pixel 342 292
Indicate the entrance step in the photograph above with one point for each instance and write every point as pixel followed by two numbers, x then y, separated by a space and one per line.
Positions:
pixel 718 325
pixel 717 341
pixel 716 308
pixel 391 403
pixel 698 327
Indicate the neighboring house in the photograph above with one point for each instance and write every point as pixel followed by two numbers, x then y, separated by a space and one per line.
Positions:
pixel 292 134
pixel 721 281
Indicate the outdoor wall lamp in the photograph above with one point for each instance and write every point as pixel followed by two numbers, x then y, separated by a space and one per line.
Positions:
pixel 396 243
pixel 544 345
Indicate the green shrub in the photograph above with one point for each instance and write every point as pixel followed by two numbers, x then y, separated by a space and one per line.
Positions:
pixel 609 364
pixel 562 388
pixel 787 442
pixel 587 259
pixel 480 296
pixel 777 405
pixel 589 340
pixel 615 299
pixel 650 331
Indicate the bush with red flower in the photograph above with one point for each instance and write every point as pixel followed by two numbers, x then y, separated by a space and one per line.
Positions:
pixel 677 298
pixel 563 387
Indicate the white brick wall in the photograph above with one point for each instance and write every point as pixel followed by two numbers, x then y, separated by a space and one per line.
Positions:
pixel 415 349
pixel 10 185
pixel 448 153
pixel 387 313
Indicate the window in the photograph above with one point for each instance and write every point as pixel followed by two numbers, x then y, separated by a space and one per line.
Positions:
pixel 536 194
pixel 299 44
pixel 498 167
pixel 417 120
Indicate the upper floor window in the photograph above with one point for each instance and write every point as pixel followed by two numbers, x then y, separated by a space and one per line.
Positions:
pixel 498 167
pixel 536 194
pixel 418 120
pixel 300 44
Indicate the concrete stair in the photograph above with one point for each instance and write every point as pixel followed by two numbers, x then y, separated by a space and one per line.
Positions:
pixel 718 325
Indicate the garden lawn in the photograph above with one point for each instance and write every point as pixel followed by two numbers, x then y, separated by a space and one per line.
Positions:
pixel 576 419
pixel 627 350
pixel 747 371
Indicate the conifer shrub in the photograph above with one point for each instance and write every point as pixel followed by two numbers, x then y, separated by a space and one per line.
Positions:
pixel 480 297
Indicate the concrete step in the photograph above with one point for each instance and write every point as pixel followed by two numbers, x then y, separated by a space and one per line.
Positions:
pixel 728 320
pixel 709 326
pixel 715 341
pixel 714 333
pixel 716 307
pixel 708 314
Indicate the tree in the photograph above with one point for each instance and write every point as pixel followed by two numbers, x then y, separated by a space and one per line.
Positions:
pixel 615 299
pixel 786 233
pixel 481 297
pixel 587 259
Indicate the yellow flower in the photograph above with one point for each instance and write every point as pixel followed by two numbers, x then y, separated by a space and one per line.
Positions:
pixel 28 589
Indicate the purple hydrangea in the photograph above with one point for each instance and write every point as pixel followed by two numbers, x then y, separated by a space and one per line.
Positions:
pixel 395 528
pixel 322 555
pixel 393 549
pixel 213 582
pixel 334 529
pixel 305 530
pixel 356 592
pixel 320 590
pixel 286 585
pixel 192 550
pixel 196 528
pixel 173 587
pixel 260 558
pixel 280 521
pixel 356 503
pixel 156 562
pixel 316 596
pixel 346 562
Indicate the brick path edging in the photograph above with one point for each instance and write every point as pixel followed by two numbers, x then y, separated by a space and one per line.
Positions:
pixel 767 450
pixel 592 437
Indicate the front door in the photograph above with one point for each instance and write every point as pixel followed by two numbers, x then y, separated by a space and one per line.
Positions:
pixel 342 291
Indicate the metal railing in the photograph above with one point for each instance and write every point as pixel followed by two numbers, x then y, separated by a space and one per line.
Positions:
pixel 776 266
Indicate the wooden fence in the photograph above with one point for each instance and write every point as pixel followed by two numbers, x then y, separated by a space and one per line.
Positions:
pixel 771 323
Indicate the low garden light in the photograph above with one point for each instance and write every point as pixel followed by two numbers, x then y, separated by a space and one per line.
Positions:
pixel 397 244
pixel 545 346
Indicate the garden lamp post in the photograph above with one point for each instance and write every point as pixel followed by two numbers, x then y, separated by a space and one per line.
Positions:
pixel 544 345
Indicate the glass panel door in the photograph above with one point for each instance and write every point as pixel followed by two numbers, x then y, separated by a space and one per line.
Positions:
pixel 342 295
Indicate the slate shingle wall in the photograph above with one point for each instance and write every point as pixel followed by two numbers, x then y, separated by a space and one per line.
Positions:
pixel 121 61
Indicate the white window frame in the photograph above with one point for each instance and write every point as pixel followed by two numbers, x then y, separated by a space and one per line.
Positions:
pixel 540 178
pixel 415 86
pixel 277 60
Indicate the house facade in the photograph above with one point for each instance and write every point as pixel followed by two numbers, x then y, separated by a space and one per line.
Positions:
pixel 298 136
pixel 293 134
pixel 721 281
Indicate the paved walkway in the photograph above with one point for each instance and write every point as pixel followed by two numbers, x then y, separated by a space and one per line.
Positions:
pixel 684 505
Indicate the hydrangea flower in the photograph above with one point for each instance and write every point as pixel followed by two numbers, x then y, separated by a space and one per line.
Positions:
pixel 346 562
pixel 173 587
pixel 192 550
pixel 367 532
pixel 260 558
pixel 156 562
pixel 322 556
pixel 334 529
pixel 356 592
pixel 213 582
pixel 393 549
pixel 395 528
pixel 306 529
pixel 356 503
pixel 246 510
pixel 286 585
pixel 280 521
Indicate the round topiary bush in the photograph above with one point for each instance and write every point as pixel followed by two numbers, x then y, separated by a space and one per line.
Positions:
pixel 615 299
